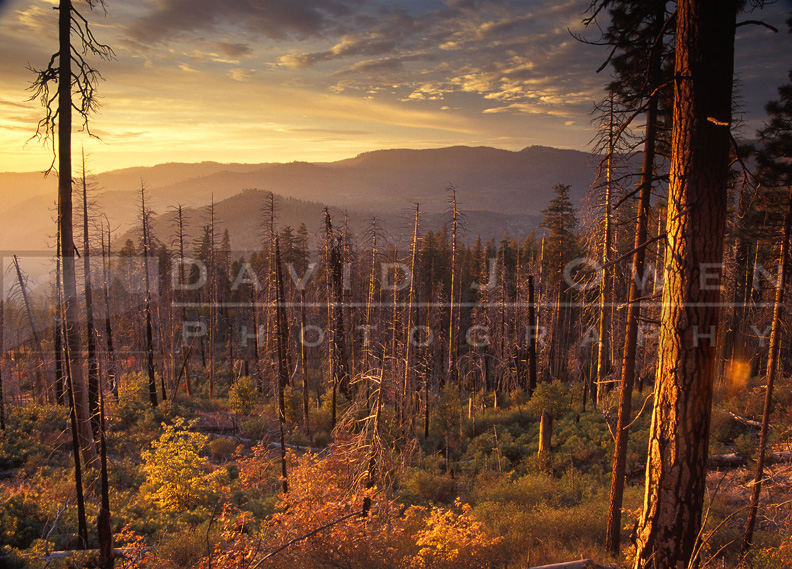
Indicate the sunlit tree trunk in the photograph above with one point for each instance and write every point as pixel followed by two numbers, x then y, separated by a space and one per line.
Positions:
pixel 678 442
pixel 606 292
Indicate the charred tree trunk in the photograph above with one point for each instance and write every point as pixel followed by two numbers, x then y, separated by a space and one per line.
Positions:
pixel 282 335
pixel 93 362
pixel 78 450
pixel 678 442
pixel 533 331
pixel 104 528
pixel 185 351
pixel 61 391
pixel 111 359
pixel 152 381
pixel 304 367
pixel 452 313
pixel 71 311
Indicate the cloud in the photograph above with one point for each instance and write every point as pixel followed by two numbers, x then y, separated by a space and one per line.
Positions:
pixel 349 46
pixel 242 74
pixel 276 19
pixel 235 50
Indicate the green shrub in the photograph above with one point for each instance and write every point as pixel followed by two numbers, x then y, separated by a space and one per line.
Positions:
pixel 243 395
pixel 553 397
pixel 419 485
pixel 30 434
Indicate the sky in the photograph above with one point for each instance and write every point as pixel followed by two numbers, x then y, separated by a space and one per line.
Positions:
pixel 320 80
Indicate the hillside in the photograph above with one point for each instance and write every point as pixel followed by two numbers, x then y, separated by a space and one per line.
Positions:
pixel 499 189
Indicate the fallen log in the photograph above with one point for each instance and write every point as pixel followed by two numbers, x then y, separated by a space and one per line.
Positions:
pixel 746 422
pixel 729 460
pixel 117 552
pixel 580 564
pixel 251 442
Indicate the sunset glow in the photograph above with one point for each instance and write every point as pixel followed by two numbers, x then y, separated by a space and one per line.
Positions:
pixel 324 80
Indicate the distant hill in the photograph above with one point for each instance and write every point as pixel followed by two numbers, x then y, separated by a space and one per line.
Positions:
pixel 242 215
pixel 501 190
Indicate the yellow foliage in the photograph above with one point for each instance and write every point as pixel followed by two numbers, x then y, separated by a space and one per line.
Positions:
pixel 451 540
pixel 176 474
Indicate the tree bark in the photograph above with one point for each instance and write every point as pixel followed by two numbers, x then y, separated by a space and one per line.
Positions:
pixel 676 470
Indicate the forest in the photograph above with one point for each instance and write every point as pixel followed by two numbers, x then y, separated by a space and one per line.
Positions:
pixel 612 390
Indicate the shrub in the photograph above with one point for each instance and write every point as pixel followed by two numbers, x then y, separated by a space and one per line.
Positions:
pixel 175 473
pixel 451 540
pixel 243 396
pixel 553 397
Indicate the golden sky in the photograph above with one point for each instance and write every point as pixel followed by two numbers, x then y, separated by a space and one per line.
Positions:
pixel 319 80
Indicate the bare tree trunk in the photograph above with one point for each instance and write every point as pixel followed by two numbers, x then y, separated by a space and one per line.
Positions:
pixel 57 332
pixel 630 343
pixel 606 292
pixel 34 330
pixel 282 334
pixel 452 315
pixel 678 442
pixel 533 331
pixel 71 312
pixel 111 360
pixel 78 450
pixel 545 439
pixel 185 351
pixel 104 528
pixel 93 363
pixel 212 299
pixel 304 367
pixel 772 365
pixel 407 386
pixel 613 534
pixel 152 382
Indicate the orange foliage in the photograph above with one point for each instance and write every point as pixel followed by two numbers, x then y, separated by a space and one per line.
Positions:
pixel 324 489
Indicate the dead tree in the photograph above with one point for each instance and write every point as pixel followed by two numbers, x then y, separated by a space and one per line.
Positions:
pixel 152 381
pixel 111 359
pixel 93 361
pixel 74 77
pixel 42 386
pixel 772 372
pixel 407 386
pixel 453 343
pixel 613 534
